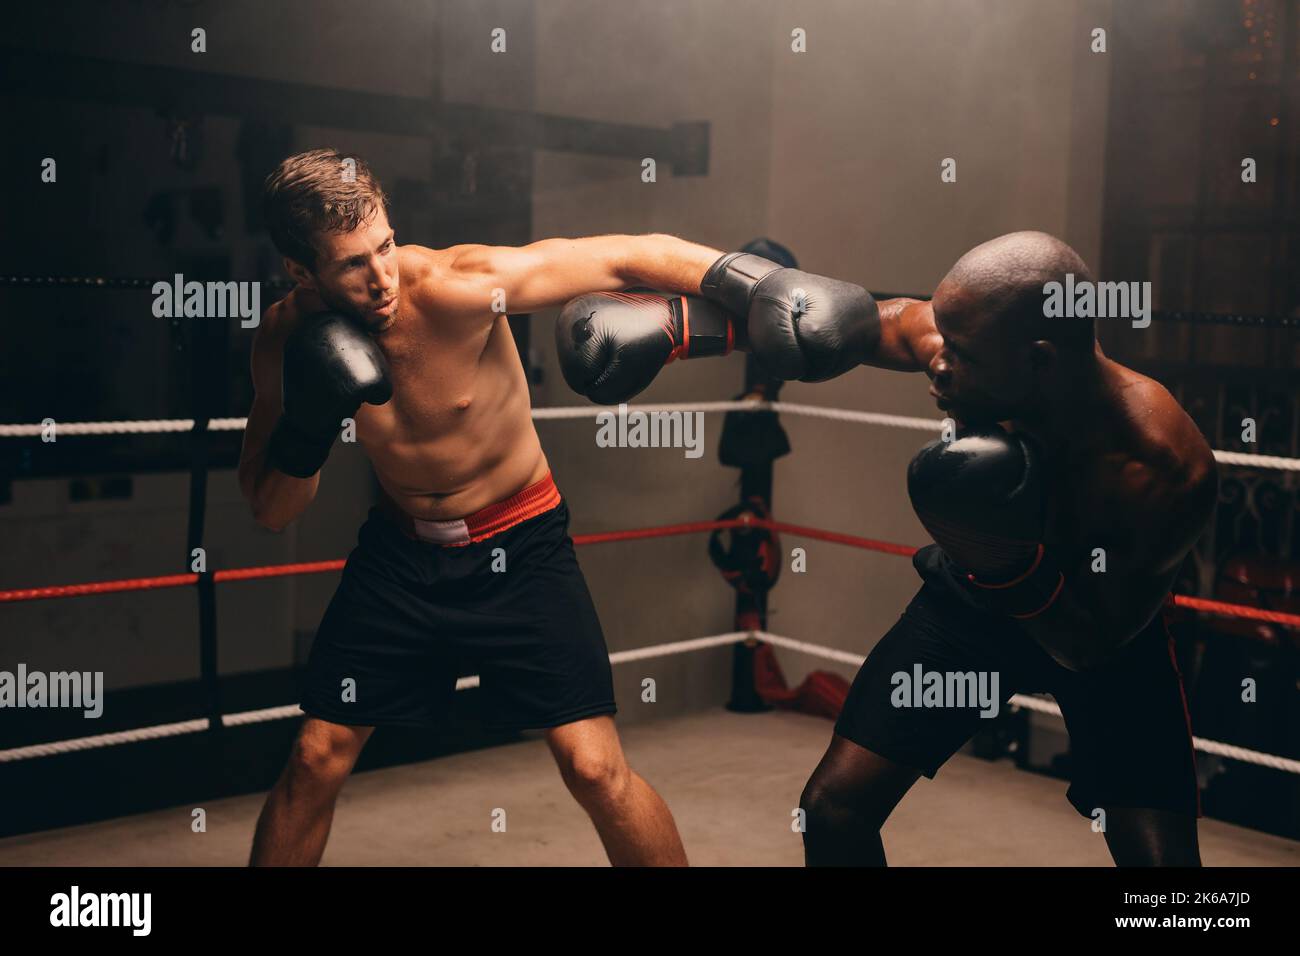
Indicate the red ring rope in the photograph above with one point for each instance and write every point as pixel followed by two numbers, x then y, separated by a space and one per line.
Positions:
pixel 1220 608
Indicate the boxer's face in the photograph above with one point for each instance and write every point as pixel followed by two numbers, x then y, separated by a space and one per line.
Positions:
pixel 356 272
pixel 982 373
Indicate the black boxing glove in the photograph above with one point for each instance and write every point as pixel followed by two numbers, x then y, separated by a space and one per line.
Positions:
pixel 611 345
pixel 983 498
pixel 799 325
pixel 331 366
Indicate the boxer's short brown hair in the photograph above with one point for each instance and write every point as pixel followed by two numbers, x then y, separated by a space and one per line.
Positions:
pixel 314 192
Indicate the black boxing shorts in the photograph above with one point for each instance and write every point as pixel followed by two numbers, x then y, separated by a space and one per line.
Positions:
pixel 1130 733
pixel 421 603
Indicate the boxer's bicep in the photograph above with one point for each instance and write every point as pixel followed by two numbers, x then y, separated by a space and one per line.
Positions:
pixel 543 274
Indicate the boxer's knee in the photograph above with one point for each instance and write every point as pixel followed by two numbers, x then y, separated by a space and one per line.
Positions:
pixel 830 806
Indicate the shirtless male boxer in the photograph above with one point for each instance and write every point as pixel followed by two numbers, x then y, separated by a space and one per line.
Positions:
pixel 1095 456
pixel 466 564
pixel 1098 457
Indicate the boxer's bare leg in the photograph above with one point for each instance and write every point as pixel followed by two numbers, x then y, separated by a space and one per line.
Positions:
pixel 846 801
pixel 295 821
pixel 632 820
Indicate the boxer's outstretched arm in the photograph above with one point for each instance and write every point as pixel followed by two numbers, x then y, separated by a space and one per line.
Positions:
pixel 550 272
pixel 908 337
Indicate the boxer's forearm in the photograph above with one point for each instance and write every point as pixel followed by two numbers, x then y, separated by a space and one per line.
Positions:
pixel 908 339
pixel 667 263
pixel 277 499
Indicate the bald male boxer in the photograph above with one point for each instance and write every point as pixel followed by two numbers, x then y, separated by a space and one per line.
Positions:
pixel 466 565
pixel 1065 458
pixel 1094 459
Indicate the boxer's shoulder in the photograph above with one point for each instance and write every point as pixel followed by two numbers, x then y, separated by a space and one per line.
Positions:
pixel 419 264
pixel 1169 445
pixel 426 276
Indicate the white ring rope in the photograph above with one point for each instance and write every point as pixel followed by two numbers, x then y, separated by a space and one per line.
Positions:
pixel 864 418
pixel 620 657
pixel 1276 462
pixel 154 426
pixel 564 412
pixel 1047 707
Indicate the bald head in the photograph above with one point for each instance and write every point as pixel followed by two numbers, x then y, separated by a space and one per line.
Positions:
pixel 1002 358
pixel 1003 280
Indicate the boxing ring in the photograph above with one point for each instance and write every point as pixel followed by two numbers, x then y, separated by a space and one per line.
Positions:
pixel 230 575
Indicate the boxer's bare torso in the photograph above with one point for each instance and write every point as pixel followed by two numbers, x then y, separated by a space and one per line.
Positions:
pixel 457 434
